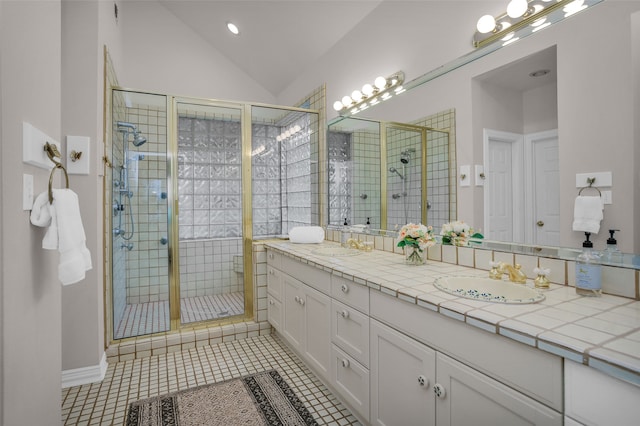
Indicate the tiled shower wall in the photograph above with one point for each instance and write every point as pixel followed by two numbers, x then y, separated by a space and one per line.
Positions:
pixel 441 167
pixel 406 206
pixel 147 261
pixel 340 176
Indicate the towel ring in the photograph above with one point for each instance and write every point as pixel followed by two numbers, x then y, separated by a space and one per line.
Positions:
pixel 53 153
pixel 590 180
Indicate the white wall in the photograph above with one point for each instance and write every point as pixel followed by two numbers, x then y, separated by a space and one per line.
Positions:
pixel 160 54
pixel 31 307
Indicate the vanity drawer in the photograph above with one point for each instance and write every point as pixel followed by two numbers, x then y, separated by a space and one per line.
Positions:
pixel 351 380
pixel 274 282
pixel 274 259
pixel 350 293
pixel 350 331
pixel 310 275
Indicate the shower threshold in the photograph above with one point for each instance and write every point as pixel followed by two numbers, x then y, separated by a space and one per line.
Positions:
pixel 153 317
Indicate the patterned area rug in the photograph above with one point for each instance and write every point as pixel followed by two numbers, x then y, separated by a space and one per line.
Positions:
pixel 259 399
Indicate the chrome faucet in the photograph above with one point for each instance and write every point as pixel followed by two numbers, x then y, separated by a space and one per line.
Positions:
pixel 515 274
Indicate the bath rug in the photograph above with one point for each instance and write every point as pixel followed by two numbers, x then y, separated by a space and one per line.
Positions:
pixel 258 399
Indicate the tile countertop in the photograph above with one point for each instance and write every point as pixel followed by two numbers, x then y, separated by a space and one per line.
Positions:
pixel 602 332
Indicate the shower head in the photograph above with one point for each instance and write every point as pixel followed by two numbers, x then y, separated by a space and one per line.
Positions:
pixel 394 170
pixel 138 139
pixel 404 159
pixel 405 155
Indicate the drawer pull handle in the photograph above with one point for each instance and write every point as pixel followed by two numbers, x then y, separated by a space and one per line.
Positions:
pixel 345 363
pixel 301 301
pixel 271 256
pixel 344 288
pixel 271 271
pixel 423 381
pixel 344 314
pixel 439 390
pixel 297 299
pixel 271 302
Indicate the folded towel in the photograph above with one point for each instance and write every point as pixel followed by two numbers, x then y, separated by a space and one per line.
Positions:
pixel 43 215
pixel 65 233
pixel 306 234
pixel 587 214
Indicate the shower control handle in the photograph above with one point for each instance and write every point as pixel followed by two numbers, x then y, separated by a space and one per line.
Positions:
pixel 164 241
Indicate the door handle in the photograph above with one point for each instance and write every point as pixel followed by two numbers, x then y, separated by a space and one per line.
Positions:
pixel 540 223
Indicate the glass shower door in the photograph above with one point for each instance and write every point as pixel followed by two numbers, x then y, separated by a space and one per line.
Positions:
pixel 137 207
pixel 210 220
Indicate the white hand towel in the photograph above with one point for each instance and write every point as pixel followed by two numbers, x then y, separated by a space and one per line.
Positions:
pixel 306 234
pixel 587 214
pixel 75 258
pixel 42 215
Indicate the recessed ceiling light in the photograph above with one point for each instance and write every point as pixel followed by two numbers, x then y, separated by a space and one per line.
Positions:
pixel 233 28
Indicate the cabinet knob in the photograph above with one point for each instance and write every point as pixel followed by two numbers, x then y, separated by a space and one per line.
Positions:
pixel 423 381
pixel 271 272
pixel 271 302
pixel 345 362
pixel 301 301
pixel 271 256
pixel 297 299
pixel 439 390
pixel 344 314
pixel 344 288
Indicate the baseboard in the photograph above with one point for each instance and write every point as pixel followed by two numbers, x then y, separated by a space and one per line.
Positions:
pixel 84 375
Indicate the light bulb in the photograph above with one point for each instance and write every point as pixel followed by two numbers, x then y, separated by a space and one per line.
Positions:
pixel 367 89
pixel 346 101
pixel 337 105
pixel 517 8
pixel 380 82
pixel 356 95
pixel 279 138
pixel 486 24
pixel 296 128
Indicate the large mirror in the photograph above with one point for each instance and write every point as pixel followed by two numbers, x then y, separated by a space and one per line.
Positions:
pixel 533 120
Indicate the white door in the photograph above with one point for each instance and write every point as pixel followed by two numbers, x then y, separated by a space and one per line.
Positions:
pixel 544 223
pixel 503 192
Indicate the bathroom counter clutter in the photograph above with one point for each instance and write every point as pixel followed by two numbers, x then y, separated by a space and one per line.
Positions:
pixel 601 332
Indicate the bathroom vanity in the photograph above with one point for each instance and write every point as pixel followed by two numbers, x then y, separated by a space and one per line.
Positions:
pixel 397 351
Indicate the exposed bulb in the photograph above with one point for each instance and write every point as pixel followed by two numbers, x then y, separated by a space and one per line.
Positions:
pixel 486 24
pixel 367 89
pixel 346 101
pixel 380 82
pixel 517 8
pixel 356 95
pixel 337 105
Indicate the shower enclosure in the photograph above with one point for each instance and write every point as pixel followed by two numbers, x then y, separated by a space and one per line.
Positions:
pixel 196 181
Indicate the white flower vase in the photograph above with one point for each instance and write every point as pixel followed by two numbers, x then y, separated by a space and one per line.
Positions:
pixel 414 256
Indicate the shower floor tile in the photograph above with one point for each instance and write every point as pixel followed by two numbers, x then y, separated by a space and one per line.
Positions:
pixel 153 317
pixel 106 402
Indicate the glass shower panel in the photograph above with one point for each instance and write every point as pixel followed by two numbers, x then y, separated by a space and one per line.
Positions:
pixel 284 166
pixel 209 193
pixel 404 177
pixel 439 179
pixel 137 191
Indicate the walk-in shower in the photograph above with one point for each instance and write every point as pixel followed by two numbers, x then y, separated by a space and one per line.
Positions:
pixel 187 206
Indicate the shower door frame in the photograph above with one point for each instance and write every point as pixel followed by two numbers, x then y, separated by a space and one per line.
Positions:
pixel 172 208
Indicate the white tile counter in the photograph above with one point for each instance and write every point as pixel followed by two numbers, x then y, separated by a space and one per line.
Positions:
pixel 602 332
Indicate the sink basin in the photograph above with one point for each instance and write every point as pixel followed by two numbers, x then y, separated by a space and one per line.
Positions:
pixel 488 290
pixel 335 251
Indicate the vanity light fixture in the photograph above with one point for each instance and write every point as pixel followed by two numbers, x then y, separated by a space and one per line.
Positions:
pixel 371 94
pixel 524 17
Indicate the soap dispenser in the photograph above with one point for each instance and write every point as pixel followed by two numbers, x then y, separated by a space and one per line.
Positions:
pixel 588 270
pixel 612 253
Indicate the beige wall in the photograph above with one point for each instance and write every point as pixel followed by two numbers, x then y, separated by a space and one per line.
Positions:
pixel 31 307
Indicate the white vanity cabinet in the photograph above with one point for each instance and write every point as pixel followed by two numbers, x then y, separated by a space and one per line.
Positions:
pixel 593 398
pixel 403 372
pixel 274 290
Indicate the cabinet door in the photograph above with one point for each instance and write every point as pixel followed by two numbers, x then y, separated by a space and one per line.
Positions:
pixel 402 373
pixel 292 318
pixel 274 312
pixel 274 282
pixel 351 380
pixel 317 330
pixel 468 397
pixel 350 331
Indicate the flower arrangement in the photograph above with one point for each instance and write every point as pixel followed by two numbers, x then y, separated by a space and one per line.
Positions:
pixel 415 238
pixel 457 233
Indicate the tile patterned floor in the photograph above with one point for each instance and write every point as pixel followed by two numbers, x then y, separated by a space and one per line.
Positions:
pixel 105 403
pixel 153 317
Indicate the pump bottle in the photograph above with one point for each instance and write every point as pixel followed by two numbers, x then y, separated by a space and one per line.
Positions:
pixel 612 254
pixel 588 270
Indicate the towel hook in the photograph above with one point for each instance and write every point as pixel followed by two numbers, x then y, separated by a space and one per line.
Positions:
pixel 53 153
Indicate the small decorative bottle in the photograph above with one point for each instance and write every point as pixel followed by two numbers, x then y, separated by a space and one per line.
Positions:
pixel 588 271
